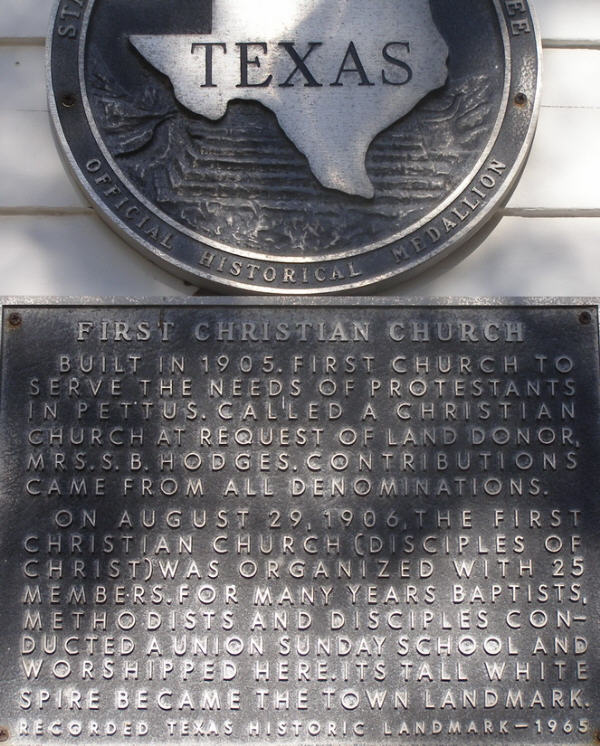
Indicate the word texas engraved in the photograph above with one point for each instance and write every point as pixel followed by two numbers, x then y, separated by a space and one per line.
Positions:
pixel 296 147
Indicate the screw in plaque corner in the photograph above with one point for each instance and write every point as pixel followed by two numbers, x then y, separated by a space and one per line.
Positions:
pixel 14 320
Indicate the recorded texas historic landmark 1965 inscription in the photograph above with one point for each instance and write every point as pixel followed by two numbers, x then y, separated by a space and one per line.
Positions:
pixel 296 146
pixel 311 523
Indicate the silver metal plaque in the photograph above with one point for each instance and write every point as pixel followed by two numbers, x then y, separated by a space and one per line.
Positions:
pixel 304 522
pixel 294 146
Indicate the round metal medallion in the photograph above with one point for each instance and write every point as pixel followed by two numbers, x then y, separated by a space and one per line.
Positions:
pixel 295 146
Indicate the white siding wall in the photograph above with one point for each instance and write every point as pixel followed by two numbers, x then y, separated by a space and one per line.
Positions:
pixel 546 243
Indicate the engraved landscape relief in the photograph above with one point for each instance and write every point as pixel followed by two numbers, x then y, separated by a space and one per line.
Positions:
pixel 328 99
pixel 241 181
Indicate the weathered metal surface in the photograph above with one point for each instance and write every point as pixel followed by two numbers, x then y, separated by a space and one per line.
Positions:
pixel 296 147
pixel 307 522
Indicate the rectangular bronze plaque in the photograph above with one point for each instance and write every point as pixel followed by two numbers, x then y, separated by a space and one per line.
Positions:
pixel 302 521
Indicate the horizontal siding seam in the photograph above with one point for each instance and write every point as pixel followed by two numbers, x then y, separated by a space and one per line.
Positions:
pixel 12 212
pixel 571 44
pixel 550 212
pixel 22 41
pixel 547 43
pixel 577 107
pixel 507 212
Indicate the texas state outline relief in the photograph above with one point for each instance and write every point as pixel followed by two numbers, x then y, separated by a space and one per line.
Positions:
pixel 335 73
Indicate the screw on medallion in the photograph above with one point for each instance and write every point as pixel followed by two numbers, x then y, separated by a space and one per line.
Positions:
pixel 521 99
